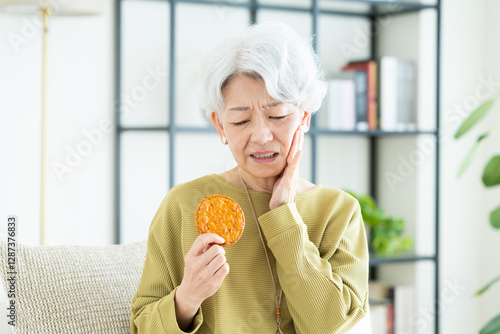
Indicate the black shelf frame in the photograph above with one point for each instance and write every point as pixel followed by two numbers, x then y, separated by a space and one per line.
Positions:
pixel 376 7
pixel 402 258
pixel 375 10
pixel 211 129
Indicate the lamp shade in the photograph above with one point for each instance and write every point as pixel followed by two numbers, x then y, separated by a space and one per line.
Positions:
pixel 59 7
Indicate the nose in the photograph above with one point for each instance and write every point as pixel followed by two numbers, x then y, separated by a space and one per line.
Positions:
pixel 261 132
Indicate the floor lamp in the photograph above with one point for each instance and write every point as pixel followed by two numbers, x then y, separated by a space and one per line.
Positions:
pixel 47 9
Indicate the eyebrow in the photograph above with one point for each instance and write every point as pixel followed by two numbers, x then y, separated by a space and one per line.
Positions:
pixel 244 108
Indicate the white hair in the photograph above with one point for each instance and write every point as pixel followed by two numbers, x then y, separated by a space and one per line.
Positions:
pixel 270 51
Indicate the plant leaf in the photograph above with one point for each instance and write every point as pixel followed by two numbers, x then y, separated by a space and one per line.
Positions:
pixel 487 286
pixel 369 201
pixel 495 218
pixel 492 327
pixel 386 232
pixel 491 173
pixel 470 155
pixel 474 118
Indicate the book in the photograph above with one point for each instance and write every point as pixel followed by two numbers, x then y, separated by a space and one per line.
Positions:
pixel 396 94
pixel 361 89
pixel 370 68
pixel 381 316
pixel 398 303
pixel 345 106
pixel 339 109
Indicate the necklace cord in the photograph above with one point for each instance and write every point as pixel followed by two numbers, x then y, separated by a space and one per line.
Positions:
pixel 277 300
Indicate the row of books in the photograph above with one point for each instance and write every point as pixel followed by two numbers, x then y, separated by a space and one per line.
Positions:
pixel 371 95
pixel 391 308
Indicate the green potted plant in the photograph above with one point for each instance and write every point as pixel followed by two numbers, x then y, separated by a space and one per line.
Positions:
pixel 387 237
pixel 490 178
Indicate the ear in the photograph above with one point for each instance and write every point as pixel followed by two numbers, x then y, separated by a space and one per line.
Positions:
pixel 306 121
pixel 217 122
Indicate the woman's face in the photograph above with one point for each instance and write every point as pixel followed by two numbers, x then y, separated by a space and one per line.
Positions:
pixel 259 130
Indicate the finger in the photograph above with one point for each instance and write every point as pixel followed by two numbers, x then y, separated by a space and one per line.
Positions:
pixel 301 142
pixel 211 239
pixel 222 272
pixel 212 252
pixel 216 263
pixel 290 174
pixel 297 141
pixel 294 147
pixel 203 242
pixel 292 177
pixel 294 165
pixel 218 277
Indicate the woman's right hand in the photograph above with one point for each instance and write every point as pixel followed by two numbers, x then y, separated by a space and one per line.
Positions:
pixel 205 268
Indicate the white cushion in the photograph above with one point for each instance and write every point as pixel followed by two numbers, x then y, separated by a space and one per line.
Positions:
pixel 75 289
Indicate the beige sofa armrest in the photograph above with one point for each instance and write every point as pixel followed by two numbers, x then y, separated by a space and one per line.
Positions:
pixel 75 289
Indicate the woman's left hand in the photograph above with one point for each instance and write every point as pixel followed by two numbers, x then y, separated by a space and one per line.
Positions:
pixel 285 187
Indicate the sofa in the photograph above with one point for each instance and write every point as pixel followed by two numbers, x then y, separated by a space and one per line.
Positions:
pixel 76 289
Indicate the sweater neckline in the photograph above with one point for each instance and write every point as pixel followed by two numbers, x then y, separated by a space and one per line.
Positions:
pixel 307 193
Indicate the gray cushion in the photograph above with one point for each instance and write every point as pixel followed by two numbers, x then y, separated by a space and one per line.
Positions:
pixel 75 289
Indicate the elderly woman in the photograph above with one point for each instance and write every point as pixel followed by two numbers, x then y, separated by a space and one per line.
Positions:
pixel 301 265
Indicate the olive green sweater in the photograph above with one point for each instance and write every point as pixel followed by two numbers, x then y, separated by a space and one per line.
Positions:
pixel 317 249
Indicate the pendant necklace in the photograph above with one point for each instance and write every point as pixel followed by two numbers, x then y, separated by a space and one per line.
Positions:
pixel 277 300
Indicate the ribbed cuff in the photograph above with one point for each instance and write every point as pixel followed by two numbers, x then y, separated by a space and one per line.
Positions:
pixel 279 220
pixel 169 319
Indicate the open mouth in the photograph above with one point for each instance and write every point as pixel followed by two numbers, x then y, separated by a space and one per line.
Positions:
pixel 264 156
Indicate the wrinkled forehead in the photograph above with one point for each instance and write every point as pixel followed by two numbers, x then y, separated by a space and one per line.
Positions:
pixel 245 107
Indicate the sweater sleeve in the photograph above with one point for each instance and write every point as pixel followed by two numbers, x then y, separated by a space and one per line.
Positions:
pixel 153 306
pixel 327 291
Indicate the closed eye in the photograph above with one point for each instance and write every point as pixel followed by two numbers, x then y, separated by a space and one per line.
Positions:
pixel 277 117
pixel 239 123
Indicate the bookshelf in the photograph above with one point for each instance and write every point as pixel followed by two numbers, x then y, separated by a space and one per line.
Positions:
pixel 168 127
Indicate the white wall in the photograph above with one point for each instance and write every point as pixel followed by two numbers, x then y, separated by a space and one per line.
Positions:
pixel 79 205
pixel 462 62
pixel 491 238
pixel 469 253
